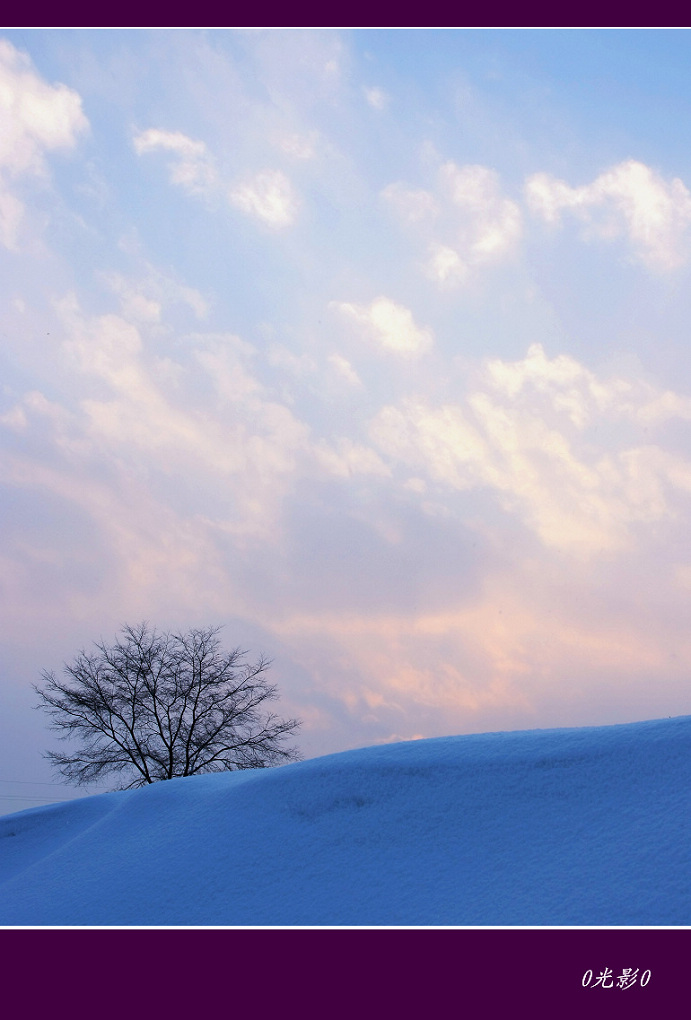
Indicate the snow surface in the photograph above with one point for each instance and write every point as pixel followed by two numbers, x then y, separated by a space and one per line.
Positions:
pixel 587 826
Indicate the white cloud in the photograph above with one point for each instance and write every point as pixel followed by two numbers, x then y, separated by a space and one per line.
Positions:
pixel 11 215
pixel 210 424
pixel 344 458
pixel 376 97
pixel 283 358
pixel 193 166
pixel 144 294
pixel 269 196
pixel 213 423
pixel 411 204
pixel 135 304
pixel 299 146
pixel 523 436
pixel 193 298
pixel 490 223
pixel 345 369
pixel 35 118
pixel 390 325
pixel 147 409
pixel 573 389
pixel 467 222
pixel 630 199
pixel 446 266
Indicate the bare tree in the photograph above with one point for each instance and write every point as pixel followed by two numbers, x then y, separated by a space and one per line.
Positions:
pixel 155 706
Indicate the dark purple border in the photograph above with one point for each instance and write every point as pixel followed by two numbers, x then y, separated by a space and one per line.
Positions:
pixel 354 13
pixel 366 973
pixel 378 973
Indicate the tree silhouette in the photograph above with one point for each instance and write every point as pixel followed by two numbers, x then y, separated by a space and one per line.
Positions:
pixel 155 706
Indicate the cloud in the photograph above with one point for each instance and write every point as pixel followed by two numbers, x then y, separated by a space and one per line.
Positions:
pixel 429 536
pixel 467 222
pixel 135 304
pixel 203 415
pixel 576 391
pixel 268 196
pixel 531 642
pixel 491 223
pixel 156 413
pixel 206 492
pixel 461 664
pixel 345 370
pixel 389 325
pixel 446 266
pixel 629 199
pixel 35 119
pixel 376 98
pixel 11 216
pixel 345 458
pixel 411 204
pixel 299 146
pixel 524 436
pixel 192 167
pixel 144 294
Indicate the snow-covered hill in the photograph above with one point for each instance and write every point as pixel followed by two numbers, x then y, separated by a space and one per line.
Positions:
pixel 586 826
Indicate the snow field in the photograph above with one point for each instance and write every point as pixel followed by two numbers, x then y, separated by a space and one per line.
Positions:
pixel 587 826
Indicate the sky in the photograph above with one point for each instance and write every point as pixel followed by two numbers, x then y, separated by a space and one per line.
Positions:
pixel 539 827
pixel 369 346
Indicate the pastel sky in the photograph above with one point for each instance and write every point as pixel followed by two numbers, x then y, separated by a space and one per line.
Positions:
pixel 370 346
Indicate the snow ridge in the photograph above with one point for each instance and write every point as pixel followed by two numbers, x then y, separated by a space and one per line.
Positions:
pixel 586 826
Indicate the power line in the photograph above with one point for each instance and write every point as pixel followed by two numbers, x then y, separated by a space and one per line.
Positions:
pixel 43 800
pixel 29 782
